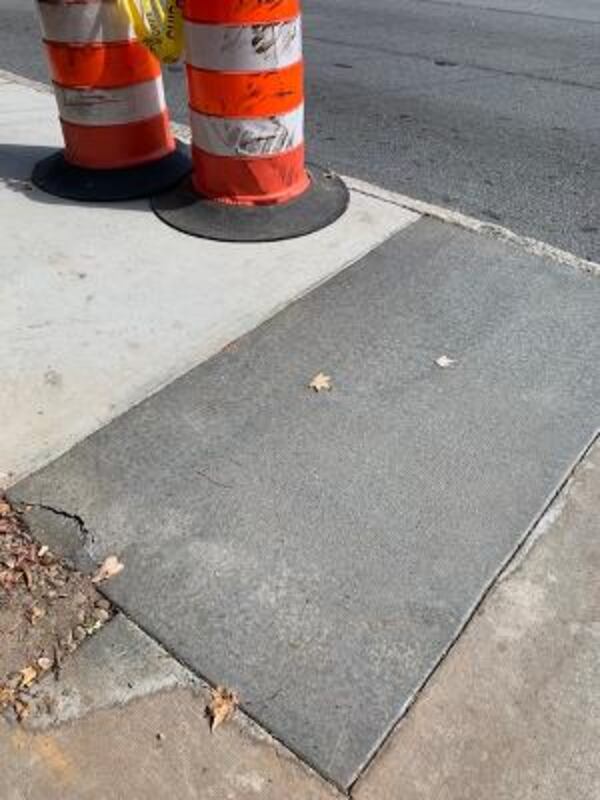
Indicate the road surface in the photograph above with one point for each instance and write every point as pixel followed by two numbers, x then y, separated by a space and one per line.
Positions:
pixel 491 107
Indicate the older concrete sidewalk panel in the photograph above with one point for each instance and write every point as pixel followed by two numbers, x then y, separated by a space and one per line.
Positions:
pixel 101 306
pixel 113 667
pixel 319 552
pixel 137 731
pixel 514 712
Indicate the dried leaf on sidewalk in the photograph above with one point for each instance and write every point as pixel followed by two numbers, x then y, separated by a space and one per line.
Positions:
pixel 21 709
pixel 223 703
pixel 321 383
pixel 7 696
pixel 4 508
pixel 110 567
pixel 35 613
pixel 445 361
pixel 28 675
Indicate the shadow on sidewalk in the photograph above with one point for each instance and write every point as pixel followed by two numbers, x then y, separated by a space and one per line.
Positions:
pixel 16 166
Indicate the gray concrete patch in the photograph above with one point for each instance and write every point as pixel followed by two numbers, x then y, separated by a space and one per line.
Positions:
pixel 515 709
pixel 319 552
pixel 115 666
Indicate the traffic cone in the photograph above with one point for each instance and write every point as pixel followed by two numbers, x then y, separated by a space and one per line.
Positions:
pixel 245 86
pixel 111 104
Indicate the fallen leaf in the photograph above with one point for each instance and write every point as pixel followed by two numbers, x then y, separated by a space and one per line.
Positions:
pixel 320 383
pixel 35 613
pixel 21 709
pixel 111 566
pixel 7 696
pixel 223 703
pixel 444 362
pixel 28 675
pixel 4 509
pixel 27 575
pixel 44 663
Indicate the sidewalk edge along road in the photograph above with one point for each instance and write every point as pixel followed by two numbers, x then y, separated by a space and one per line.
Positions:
pixel 527 243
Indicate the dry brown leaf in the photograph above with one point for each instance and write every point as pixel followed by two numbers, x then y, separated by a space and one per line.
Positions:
pixel 21 709
pixel 7 696
pixel 223 703
pixel 27 575
pixel 35 613
pixel 321 383
pixel 111 566
pixel 28 675
pixel 4 509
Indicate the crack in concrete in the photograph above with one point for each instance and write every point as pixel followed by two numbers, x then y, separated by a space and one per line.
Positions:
pixel 86 537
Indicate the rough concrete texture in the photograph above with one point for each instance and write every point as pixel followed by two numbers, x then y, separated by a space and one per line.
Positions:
pixel 119 664
pixel 319 552
pixel 104 305
pixel 514 711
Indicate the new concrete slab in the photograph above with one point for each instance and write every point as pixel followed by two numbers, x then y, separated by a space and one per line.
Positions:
pixel 319 552
pixel 101 306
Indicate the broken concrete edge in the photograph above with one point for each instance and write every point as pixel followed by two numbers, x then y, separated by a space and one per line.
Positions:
pixel 541 526
pixel 64 532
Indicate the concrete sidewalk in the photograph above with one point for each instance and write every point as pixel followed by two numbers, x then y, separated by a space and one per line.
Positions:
pixel 513 711
pixel 320 553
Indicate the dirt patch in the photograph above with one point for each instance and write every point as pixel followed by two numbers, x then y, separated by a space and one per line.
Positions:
pixel 46 610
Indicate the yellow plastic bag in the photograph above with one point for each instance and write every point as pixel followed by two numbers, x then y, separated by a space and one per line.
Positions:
pixel 159 27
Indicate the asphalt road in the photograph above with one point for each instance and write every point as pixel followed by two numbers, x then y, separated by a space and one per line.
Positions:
pixel 491 107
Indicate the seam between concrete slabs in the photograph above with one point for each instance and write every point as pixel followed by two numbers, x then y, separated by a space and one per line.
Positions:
pixel 533 533
pixel 248 724
pixel 239 319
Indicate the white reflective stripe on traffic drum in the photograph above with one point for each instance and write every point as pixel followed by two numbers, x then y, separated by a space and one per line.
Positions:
pixel 263 136
pixel 243 48
pixel 111 106
pixel 83 22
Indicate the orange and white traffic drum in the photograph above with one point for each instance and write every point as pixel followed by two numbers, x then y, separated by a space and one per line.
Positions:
pixel 245 77
pixel 110 98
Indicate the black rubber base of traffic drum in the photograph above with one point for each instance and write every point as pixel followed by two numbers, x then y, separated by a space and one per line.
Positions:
pixel 322 203
pixel 55 175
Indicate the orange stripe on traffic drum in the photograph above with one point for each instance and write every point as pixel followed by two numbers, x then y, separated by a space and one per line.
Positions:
pixel 250 181
pixel 113 146
pixel 102 66
pixel 233 12
pixel 245 94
